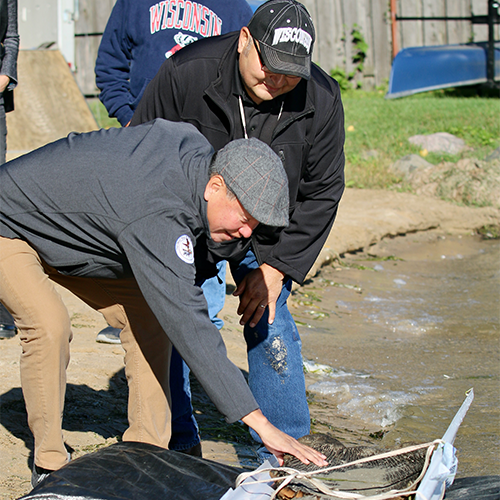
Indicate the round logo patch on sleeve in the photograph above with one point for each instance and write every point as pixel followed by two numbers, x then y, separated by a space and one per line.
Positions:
pixel 184 249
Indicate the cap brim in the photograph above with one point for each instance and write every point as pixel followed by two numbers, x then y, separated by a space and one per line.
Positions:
pixel 285 63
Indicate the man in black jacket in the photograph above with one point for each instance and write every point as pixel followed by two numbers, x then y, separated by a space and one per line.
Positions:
pixel 115 216
pixel 260 83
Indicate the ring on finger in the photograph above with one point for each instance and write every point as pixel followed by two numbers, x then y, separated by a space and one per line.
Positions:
pixel 263 306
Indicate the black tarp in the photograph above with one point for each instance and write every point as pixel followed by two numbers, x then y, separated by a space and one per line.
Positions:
pixel 474 488
pixel 137 471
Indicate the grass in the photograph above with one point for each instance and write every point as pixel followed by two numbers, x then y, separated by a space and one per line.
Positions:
pixel 101 114
pixel 377 130
pixel 490 232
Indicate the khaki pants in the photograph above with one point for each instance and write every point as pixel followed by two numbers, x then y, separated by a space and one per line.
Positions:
pixel 28 292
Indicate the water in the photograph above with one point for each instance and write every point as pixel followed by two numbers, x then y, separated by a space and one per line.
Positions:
pixel 394 342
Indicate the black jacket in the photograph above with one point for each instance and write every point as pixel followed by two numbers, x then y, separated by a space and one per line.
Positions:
pixel 9 47
pixel 195 86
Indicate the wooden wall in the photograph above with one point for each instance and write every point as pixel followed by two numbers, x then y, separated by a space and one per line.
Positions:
pixel 334 21
pixel 92 19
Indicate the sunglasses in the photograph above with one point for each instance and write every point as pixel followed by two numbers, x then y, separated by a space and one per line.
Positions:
pixel 263 67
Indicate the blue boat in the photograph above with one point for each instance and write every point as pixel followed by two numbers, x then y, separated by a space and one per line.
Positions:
pixel 420 69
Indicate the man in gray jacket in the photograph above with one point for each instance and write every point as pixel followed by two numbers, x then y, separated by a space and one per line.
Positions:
pixel 114 216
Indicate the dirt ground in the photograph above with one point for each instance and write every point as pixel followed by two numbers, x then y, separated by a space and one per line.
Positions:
pixel 95 414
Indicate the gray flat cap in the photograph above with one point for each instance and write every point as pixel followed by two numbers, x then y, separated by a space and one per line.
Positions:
pixel 255 174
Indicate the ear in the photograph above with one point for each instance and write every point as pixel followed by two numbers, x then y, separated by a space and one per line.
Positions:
pixel 244 38
pixel 214 185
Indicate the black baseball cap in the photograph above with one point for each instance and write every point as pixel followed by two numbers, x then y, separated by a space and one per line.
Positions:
pixel 285 32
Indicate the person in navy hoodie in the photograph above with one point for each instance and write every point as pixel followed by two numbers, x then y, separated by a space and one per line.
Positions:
pixel 139 36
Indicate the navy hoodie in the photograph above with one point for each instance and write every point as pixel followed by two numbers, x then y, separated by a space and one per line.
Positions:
pixel 141 34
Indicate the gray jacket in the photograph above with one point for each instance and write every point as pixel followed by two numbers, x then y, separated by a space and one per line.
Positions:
pixel 122 202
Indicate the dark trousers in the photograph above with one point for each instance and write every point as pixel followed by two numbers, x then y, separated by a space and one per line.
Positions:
pixel 5 317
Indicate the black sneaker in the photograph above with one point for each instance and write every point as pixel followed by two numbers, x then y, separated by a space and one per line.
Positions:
pixel 7 331
pixel 194 451
pixel 7 327
pixel 38 475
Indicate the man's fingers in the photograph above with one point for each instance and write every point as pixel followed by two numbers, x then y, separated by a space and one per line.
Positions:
pixel 272 312
pixel 308 455
pixel 258 313
pixel 240 288
pixel 247 305
pixel 257 291
pixel 253 311
pixel 304 453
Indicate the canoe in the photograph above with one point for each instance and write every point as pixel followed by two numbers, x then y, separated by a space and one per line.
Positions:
pixel 420 69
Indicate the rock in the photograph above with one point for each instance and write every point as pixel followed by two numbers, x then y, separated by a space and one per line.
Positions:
pixel 471 182
pixel 371 153
pixel 408 164
pixel 442 142
pixel 493 156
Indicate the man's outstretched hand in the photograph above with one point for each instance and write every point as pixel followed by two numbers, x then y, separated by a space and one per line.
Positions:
pixel 279 443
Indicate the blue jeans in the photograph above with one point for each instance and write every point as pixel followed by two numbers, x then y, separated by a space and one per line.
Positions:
pixel 185 431
pixel 276 375
pixel 275 367
pixel 215 288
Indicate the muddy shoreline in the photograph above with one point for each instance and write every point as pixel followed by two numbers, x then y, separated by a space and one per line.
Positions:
pixel 95 412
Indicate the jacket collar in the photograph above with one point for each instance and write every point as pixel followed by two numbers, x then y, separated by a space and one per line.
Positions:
pixel 220 89
pixel 298 103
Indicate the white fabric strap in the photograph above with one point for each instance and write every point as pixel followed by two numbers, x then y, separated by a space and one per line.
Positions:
pixel 295 474
pixel 242 115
